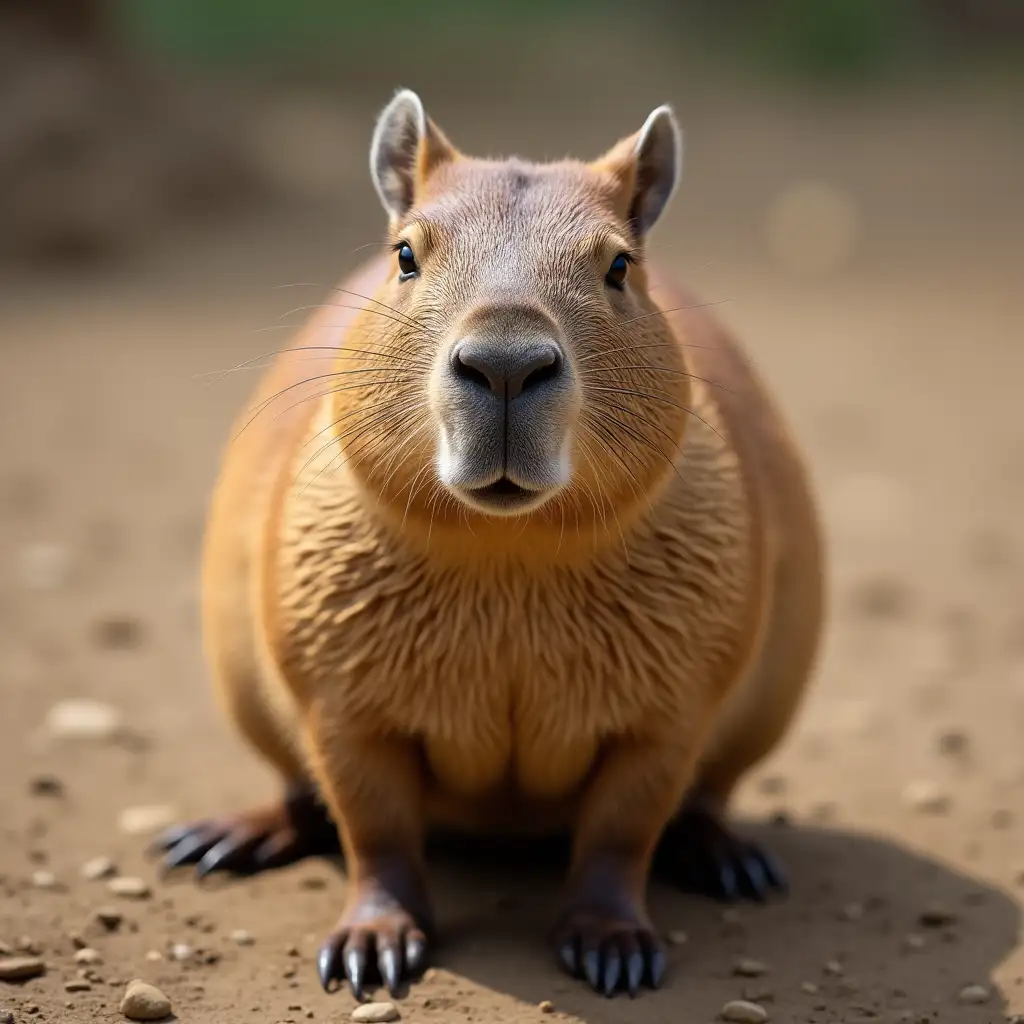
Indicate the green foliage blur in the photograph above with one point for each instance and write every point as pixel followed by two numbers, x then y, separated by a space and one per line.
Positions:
pixel 818 39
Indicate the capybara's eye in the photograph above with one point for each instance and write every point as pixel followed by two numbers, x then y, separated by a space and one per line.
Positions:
pixel 406 261
pixel 616 275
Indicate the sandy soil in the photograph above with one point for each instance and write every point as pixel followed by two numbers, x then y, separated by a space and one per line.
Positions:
pixel 902 375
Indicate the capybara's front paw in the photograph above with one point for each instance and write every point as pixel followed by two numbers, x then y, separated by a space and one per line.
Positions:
pixel 612 951
pixel 376 940
pixel 297 826
pixel 700 853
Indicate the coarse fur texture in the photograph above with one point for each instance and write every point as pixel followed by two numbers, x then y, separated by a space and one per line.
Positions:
pixel 528 548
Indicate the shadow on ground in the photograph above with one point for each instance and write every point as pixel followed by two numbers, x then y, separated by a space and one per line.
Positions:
pixel 844 930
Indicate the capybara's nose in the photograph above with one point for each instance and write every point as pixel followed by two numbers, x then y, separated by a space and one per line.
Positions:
pixel 508 369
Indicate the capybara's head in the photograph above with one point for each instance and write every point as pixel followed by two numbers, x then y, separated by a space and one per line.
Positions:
pixel 514 362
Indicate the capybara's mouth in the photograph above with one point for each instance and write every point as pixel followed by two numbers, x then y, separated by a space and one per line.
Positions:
pixel 503 495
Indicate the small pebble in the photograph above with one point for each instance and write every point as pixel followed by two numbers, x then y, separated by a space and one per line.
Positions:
pixel 144 1002
pixel 913 942
pixel 138 821
pixel 953 743
pixel 26 944
pixel 748 968
pixel 182 951
pixel 772 785
pixel 833 967
pixel 46 785
pixel 546 1006
pixel 83 719
pixel 118 632
pixel 739 1011
pixel 6 950
pixel 79 985
pixel 240 937
pixel 926 798
pixel 88 956
pixel 853 911
pixel 1002 819
pixel 109 917
pixel 44 880
pixel 809 988
pixel 678 937
pixel 154 956
pixel 98 868
pixel 315 883
pixel 21 968
pixel 849 987
pixel 77 940
pixel 937 916
pixel 129 888
pixel 376 1013
pixel 973 995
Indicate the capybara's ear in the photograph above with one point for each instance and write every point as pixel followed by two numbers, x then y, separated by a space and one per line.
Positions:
pixel 645 169
pixel 407 148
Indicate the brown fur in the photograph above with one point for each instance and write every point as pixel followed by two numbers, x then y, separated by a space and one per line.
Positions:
pixel 648 631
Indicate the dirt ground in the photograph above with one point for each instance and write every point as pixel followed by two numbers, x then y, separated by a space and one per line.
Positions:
pixel 896 802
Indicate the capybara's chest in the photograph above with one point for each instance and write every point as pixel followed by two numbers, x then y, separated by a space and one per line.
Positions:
pixel 510 677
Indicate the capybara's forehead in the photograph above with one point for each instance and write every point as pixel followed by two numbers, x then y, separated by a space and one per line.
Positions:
pixel 548 199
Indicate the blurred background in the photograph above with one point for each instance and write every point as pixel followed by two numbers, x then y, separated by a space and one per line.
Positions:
pixel 853 199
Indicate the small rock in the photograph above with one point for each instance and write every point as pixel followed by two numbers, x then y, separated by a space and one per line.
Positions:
pixel 26 944
pixel 852 912
pixel 129 888
pixel 849 987
pixel 21 968
pixel 240 937
pixel 154 956
pixel 809 988
pixel 772 785
pixel 6 950
pixel 546 1006
pixel 109 917
pixel 913 942
pixel 181 951
pixel 1002 818
pixel 677 937
pixel 43 566
pixel 881 597
pixel 44 880
pixel 46 785
pixel 83 719
pixel 376 1013
pixel 88 956
pixel 926 797
pixel 937 916
pixel 739 1011
pixel 79 985
pixel 953 743
pixel 119 632
pixel 315 883
pixel 98 868
pixel 748 968
pixel 833 967
pixel 973 995
pixel 138 821
pixel 77 940
pixel 144 1002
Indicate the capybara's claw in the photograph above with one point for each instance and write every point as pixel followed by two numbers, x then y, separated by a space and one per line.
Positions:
pixel 611 955
pixel 267 837
pixel 700 853
pixel 391 948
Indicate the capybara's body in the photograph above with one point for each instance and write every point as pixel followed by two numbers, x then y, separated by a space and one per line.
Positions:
pixel 440 591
